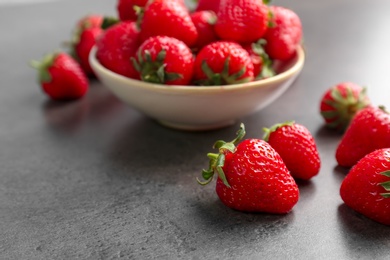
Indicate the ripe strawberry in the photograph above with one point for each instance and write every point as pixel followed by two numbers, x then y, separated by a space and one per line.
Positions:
pixel 61 77
pixel 297 147
pixel 249 24
pixel 369 130
pixel 366 188
pixel 204 22
pixel 84 35
pixel 168 18
pixel 126 10
pixel 251 177
pixel 284 35
pixel 223 63
pixel 262 64
pixel 88 21
pixel 164 60
pixel 83 46
pixel 208 5
pixel 116 46
pixel 341 102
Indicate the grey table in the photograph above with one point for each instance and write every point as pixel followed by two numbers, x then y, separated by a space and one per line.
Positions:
pixel 95 179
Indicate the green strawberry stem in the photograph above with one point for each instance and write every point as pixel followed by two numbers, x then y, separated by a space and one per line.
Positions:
pixel 217 160
pixel 386 185
pixel 222 78
pixel 344 107
pixel 267 70
pixel 43 66
pixel 268 131
pixel 153 71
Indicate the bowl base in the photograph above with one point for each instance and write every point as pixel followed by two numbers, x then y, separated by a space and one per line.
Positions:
pixel 197 127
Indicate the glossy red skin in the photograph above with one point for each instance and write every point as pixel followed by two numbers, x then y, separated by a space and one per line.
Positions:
pixel 369 130
pixel 68 80
pixel 248 25
pixel 259 180
pixel 285 36
pixel 342 89
pixel 206 32
pixel 125 9
pixel 215 55
pixel 208 5
pixel 257 60
pixel 168 18
pixel 116 46
pixel 179 58
pixel 298 149
pixel 82 49
pixel 360 190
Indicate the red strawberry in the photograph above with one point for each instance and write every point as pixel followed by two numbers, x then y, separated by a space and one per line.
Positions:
pixel 341 102
pixel 61 77
pixel 116 46
pixel 84 36
pixel 88 21
pixel 168 18
pixel 83 46
pixel 284 35
pixel 223 63
pixel 164 60
pixel 369 130
pixel 126 10
pixel 208 5
pixel 242 21
pixel 262 64
pixel 297 147
pixel 252 176
pixel 366 188
pixel 204 22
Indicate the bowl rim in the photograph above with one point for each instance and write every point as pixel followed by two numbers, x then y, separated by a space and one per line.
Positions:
pixel 294 69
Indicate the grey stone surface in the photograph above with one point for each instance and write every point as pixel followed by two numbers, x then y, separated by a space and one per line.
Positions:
pixel 95 179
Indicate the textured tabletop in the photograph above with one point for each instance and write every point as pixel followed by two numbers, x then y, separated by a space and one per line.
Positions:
pixel 95 179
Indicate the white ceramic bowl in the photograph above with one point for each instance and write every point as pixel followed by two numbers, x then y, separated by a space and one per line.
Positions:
pixel 199 108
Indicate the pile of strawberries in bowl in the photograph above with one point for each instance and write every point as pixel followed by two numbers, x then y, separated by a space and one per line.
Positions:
pixel 197 68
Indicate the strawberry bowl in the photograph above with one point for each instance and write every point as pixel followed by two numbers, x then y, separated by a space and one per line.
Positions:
pixel 197 107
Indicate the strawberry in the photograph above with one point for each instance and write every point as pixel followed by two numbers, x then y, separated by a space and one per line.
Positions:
pixel 84 36
pixel 251 177
pixel 88 21
pixel 126 9
pixel 366 188
pixel 284 35
pixel 208 5
pixel 83 46
pixel 168 18
pixel 341 102
pixel 262 64
pixel 223 63
pixel 204 22
pixel 116 46
pixel 164 60
pixel 368 131
pixel 297 147
pixel 61 77
pixel 243 21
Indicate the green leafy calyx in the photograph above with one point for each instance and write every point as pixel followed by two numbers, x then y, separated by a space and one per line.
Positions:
pixel 217 160
pixel 43 66
pixel 153 70
pixel 344 107
pixel 386 184
pixel 222 78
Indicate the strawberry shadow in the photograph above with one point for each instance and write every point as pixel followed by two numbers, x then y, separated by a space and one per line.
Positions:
pixel 220 219
pixel 340 172
pixel 359 233
pixel 65 117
